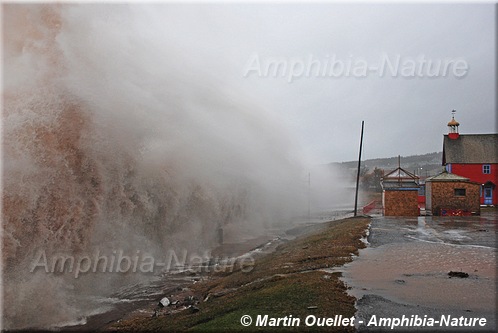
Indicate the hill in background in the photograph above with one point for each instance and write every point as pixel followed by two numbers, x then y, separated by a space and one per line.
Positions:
pixel 425 165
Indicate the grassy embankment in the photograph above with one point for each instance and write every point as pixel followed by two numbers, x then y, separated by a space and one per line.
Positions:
pixel 290 281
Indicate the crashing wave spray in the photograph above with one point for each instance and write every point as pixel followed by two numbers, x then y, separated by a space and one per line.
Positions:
pixel 114 140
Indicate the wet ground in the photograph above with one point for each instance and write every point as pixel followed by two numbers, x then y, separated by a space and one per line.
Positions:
pixel 404 270
pixel 102 310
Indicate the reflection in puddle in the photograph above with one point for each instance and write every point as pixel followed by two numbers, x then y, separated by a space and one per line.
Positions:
pixel 417 273
pixel 408 260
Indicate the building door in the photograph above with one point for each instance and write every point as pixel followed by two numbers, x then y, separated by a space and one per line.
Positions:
pixel 488 195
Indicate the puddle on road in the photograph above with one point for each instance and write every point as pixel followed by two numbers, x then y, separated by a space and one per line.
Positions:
pixel 417 273
pixel 409 259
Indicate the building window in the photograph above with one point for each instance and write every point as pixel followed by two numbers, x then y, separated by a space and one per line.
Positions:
pixel 486 169
pixel 460 192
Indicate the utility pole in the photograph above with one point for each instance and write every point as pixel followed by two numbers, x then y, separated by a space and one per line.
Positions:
pixel 309 194
pixel 358 174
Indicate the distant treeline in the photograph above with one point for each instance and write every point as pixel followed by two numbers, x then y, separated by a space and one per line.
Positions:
pixel 407 162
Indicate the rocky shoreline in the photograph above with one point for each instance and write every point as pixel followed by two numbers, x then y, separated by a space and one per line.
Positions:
pixel 292 279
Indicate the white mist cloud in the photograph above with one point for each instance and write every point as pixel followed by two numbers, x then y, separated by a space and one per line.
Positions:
pixel 118 137
pixel 132 126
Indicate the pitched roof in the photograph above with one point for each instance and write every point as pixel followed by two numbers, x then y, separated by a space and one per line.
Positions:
pixel 399 174
pixel 447 177
pixel 400 179
pixel 471 148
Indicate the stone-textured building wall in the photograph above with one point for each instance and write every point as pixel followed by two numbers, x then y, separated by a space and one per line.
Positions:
pixel 443 197
pixel 400 203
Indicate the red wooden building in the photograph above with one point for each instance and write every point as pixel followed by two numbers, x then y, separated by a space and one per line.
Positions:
pixel 474 156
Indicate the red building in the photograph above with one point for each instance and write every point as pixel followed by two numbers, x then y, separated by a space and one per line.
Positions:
pixel 474 156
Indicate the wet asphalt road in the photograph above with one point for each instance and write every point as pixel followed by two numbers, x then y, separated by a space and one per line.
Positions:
pixel 404 272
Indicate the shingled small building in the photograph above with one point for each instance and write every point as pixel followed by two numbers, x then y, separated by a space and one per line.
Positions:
pixel 473 156
pixel 448 194
pixel 400 193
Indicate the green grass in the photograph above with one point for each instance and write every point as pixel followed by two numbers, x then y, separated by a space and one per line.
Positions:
pixel 283 283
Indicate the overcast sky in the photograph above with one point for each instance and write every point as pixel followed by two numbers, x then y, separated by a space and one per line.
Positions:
pixel 404 114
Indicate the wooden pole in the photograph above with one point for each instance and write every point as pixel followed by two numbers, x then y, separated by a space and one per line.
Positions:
pixel 358 174
pixel 309 194
pixel 399 170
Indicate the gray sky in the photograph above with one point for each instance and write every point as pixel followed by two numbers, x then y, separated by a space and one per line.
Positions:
pixel 403 115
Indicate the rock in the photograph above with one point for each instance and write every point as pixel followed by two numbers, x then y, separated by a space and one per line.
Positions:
pixel 458 274
pixel 164 302
pixel 194 309
pixel 312 307
pixel 400 281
